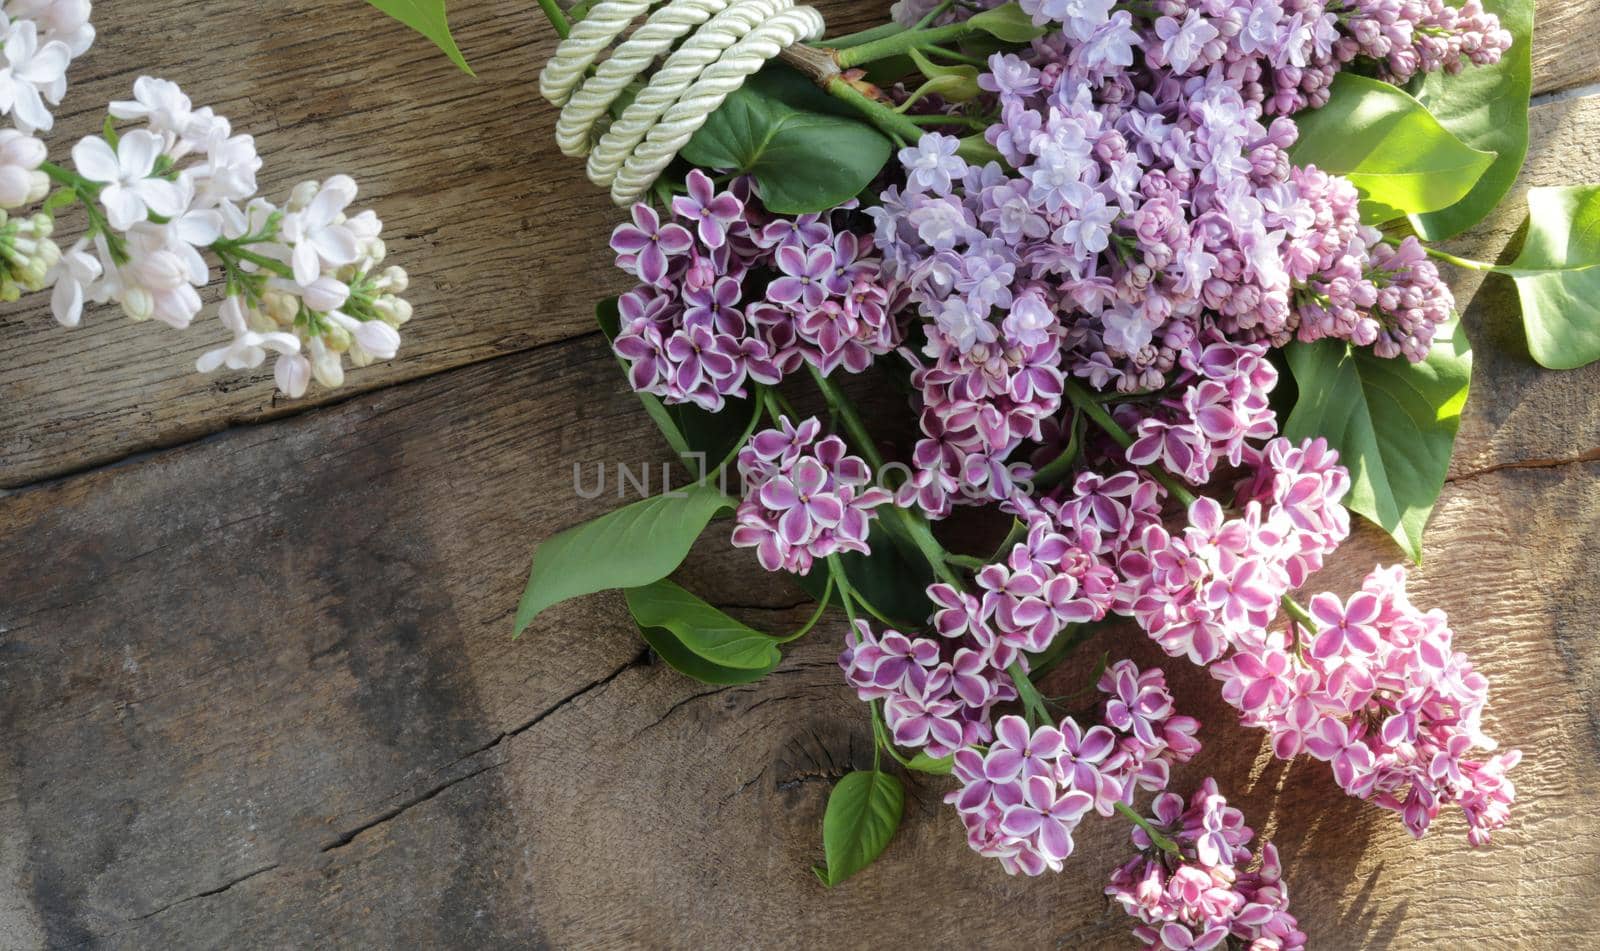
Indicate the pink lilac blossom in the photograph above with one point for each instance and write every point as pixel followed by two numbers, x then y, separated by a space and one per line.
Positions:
pixel 1371 685
pixel 1021 799
pixel 1203 898
pixel 700 325
pixel 1221 407
pixel 806 498
pixel 1374 687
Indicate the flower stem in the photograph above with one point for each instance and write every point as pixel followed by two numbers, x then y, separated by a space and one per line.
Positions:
pixel 822 605
pixel 1156 836
pixel 864 36
pixel 933 14
pixel 902 43
pixel 966 561
pixel 557 17
pixel 1447 257
pixel 1300 615
pixel 236 249
pixel 1090 407
pixel 897 127
pixel 836 576
pixel 846 411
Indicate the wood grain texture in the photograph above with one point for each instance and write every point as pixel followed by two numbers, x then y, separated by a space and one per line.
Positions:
pixel 504 238
pixel 1525 414
pixel 260 692
pixel 502 235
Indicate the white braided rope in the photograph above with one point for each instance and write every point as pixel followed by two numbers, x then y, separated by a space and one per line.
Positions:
pixel 587 107
pixel 731 40
pixel 669 82
pixel 716 84
pixel 588 39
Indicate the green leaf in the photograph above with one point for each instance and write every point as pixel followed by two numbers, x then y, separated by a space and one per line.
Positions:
pixel 805 155
pixel 1556 276
pixel 1388 145
pixel 1393 422
pixel 428 18
pixel 633 546
pixel 1007 23
pixel 863 812
pixel 1487 108
pixel 690 664
pixel 923 763
pixel 689 430
pixel 701 628
pixel 894 579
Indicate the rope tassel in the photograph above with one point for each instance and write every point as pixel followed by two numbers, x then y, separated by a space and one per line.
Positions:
pixel 727 41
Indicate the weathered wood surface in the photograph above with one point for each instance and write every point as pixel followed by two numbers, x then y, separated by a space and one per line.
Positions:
pixel 503 236
pixel 259 690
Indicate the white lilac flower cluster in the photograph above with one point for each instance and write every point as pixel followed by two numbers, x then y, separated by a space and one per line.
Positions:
pixel 303 280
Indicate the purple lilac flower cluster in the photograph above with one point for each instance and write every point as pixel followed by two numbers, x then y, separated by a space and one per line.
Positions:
pixel 1283 54
pixel 1213 412
pixel 1146 213
pixel 1374 687
pixel 1022 798
pixel 1371 685
pixel 806 498
pixel 937 693
pixel 1150 201
pixel 1204 899
pixel 730 294
pixel 1217 583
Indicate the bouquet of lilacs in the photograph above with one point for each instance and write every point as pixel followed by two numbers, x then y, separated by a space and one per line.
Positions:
pixel 1088 240
pixel 169 203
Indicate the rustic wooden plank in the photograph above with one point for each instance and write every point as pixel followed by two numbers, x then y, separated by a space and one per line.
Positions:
pixel 1523 414
pixel 1565 54
pixel 502 235
pixel 260 691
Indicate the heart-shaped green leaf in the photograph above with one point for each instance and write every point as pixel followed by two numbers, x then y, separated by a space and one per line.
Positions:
pixel 428 18
pixel 863 813
pixel 1557 278
pixel 1388 145
pixel 1008 23
pixel 1393 422
pixel 631 547
pixel 805 154
pixel 1487 108
pixel 701 628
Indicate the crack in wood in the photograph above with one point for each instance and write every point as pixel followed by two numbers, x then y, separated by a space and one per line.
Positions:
pixel 207 893
pixel 1593 455
pixel 349 836
pixel 385 816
